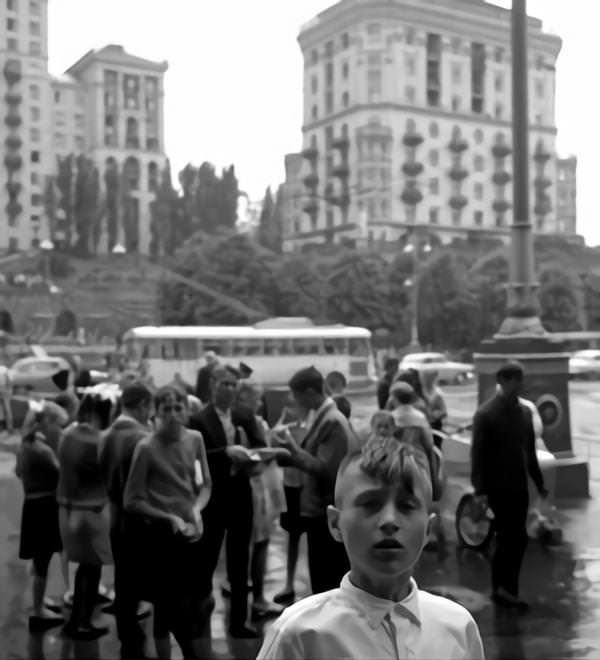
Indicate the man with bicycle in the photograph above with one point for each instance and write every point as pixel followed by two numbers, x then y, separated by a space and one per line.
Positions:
pixel 503 456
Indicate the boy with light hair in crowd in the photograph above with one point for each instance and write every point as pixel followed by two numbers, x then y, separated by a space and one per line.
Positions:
pixel 382 514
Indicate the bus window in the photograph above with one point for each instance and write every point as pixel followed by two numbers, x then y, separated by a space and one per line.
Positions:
pixel 187 349
pixel 214 345
pixel 359 347
pixel 238 347
pixel 335 346
pixel 254 347
pixel 307 346
pixel 276 347
pixel 145 352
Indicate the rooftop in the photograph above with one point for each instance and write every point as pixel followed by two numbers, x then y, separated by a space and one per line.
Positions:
pixel 115 54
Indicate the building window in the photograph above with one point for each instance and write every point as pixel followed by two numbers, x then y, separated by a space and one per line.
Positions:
pixel 499 82
pixel 478 218
pixel 456 45
pixel 539 119
pixel 434 186
pixel 539 88
pixel 34 28
pixel 374 29
pixel 434 129
pixel 409 64
pixel 410 93
pixel 34 7
pixel 345 99
pixel 13 241
pixel 329 219
pixel 539 62
pixel 456 73
pixel 34 134
pixel 10 5
pixel 314 56
pixel 434 157
pixel 35 113
pixel 345 70
pixel 345 40
pixel 329 102
pixel 478 163
pixel 328 136
pixel 79 120
pixel 499 111
pixel 34 178
pixel 410 35
pixel 34 92
pixel 60 140
pixel 478 136
pixel 12 45
pixel 434 215
pixel 36 199
pixel 433 98
pixel 499 55
pixel 385 208
pixel 56 96
pixel 35 48
pixel 478 191
pixel 329 74
pixel 35 219
pixel 329 48
pixel 499 220
pixel 314 112
pixel 79 143
pixel 456 218
pixel 456 103
pixel 374 85
pixel 314 84
pixel 11 24
pixel 35 156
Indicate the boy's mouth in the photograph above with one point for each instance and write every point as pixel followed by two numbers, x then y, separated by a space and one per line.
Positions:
pixel 388 544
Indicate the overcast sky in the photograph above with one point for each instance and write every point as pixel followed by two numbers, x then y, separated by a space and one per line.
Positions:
pixel 234 86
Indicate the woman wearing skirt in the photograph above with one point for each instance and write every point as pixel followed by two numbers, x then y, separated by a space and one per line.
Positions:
pixel 38 469
pixel 84 515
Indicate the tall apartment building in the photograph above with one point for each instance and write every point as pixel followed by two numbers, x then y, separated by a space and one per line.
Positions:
pixel 566 194
pixel 25 116
pixel 407 119
pixel 107 106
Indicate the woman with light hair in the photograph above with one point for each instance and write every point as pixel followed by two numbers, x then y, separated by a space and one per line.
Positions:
pixel 38 468
pixel 268 501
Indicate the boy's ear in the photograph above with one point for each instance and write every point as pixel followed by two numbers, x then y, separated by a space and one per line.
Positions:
pixel 430 521
pixel 333 518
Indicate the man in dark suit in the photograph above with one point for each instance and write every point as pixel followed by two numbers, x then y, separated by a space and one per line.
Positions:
pixel 328 440
pixel 230 510
pixel 203 378
pixel 503 456
pixel 120 442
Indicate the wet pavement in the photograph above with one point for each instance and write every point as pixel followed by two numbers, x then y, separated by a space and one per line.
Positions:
pixel 562 585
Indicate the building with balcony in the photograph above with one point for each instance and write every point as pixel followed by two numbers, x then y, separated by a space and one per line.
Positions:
pixel 566 194
pixel 26 116
pixel 108 106
pixel 407 120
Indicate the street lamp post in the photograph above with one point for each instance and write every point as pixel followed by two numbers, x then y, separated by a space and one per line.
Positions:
pixel 522 335
pixel 414 249
pixel 47 246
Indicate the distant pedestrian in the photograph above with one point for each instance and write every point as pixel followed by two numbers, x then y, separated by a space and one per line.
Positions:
pixel 5 397
pixel 390 369
pixel 382 515
pixel 203 379
pixel 336 384
pixel 503 457
pixel 437 411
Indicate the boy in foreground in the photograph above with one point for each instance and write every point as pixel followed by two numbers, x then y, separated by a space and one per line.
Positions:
pixel 382 515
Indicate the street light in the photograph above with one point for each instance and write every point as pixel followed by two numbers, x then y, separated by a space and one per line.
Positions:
pixel 47 246
pixel 413 248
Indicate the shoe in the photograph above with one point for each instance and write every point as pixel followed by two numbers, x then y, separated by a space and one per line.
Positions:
pixel 266 611
pixel 105 595
pixel 243 632
pixel 86 632
pixel 285 598
pixel 53 606
pixel 44 621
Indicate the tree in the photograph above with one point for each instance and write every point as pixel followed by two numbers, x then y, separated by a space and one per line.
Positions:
pixel 64 182
pixel 164 226
pixel 112 186
pixel 129 209
pixel 488 283
pixel 559 308
pixel 270 230
pixel 86 203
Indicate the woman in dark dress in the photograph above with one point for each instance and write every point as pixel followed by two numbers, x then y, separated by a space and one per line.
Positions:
pixel 38 469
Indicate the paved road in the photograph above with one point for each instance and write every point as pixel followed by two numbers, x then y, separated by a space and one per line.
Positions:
pixel 563 584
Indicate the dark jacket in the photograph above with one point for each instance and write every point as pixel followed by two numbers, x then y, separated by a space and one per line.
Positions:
pixel 383 391
pixel 116 456
pixel 208 423
pixel 503 451
pixel 203 383
pixel 327 442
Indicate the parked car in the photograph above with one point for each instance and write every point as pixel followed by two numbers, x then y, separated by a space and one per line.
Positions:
pixel 448 371
pixel 33 375
pixel 585 365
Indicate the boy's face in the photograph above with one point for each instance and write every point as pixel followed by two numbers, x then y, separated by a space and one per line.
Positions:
pixel 384 528
pixel 384 427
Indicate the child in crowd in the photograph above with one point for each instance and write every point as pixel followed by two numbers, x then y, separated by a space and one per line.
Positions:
pixel 336 384
pixel 382 514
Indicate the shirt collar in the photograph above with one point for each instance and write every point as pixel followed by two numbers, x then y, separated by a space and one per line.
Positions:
pixel 376 609
pixel 223 413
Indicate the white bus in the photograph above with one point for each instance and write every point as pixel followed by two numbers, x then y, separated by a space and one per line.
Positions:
pixel 274 349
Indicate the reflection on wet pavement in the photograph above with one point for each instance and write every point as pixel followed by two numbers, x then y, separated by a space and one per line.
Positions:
pixel 562 585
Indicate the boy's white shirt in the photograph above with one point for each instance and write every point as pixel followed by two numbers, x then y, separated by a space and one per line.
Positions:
pixel 350 623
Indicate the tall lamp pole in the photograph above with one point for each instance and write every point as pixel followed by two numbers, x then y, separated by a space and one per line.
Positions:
pixel 522 317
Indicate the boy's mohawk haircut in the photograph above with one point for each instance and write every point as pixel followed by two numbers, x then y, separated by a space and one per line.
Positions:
pixel 393 463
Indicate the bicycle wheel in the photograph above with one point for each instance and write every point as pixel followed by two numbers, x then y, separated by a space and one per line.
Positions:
pixel 474 527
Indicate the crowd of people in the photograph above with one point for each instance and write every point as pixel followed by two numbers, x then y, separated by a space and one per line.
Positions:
pixel 158 482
